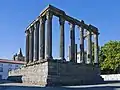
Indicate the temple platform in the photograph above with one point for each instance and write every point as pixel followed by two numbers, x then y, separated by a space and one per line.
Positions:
pixel 56 73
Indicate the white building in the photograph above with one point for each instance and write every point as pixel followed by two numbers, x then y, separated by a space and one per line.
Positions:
pixel 8 65
pixel 78 57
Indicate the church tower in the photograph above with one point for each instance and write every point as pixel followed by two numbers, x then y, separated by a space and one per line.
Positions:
pixel 19 56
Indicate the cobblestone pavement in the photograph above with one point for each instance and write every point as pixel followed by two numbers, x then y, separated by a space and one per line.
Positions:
pixel 7 85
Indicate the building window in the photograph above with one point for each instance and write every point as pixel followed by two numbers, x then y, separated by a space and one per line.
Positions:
pixel 0 77
pixel 10 65
pixel 1 65
pixel 10 69
pixel 1 69
pixel 16 66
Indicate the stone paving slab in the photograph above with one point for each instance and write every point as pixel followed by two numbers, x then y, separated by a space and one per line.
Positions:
pixel 19 86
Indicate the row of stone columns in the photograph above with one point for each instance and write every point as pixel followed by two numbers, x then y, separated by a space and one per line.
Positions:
pixel 73 49
pixel 36 45
pixel 35 39
pixel 35 50
pixel 89 46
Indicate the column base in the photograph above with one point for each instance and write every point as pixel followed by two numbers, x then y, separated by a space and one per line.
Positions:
pixel 35 60
pixel 62 58
pixel 41 58
pixel 31 61
pixel 96 64
pixel 49 58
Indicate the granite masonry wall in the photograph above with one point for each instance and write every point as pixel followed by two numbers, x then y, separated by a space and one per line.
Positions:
pixel 32 74
pixel 57 73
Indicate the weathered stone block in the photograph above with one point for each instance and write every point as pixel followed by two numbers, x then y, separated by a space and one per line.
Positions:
pixel 57 73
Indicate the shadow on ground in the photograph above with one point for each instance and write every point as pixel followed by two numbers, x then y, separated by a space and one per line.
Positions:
pixel 12 87
pixel 9 85
pixel 6 81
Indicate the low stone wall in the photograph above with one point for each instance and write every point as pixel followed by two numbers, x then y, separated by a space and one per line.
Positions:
pixel 32 74
pixel 58 73
pixel 111 77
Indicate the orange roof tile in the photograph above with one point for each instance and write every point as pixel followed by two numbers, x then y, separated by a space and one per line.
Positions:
pixel 11 61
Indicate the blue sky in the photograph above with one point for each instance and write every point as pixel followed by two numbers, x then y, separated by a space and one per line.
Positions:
pixel 15 16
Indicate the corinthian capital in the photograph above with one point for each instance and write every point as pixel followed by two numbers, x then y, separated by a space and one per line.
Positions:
pixel 72 26
pixel 27 32
pixel 31 29
pixel 49 15
pixel 61 20
pixel 42 19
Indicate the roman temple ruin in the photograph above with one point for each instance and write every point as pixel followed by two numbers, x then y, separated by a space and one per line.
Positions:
pixel 42 69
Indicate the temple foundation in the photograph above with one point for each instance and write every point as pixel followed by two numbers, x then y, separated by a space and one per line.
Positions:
pixel 58 73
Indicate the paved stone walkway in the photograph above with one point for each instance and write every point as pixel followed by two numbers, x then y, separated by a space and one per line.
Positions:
pixel 7 85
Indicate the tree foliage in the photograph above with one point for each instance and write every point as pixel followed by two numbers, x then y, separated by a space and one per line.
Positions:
pixel 110 57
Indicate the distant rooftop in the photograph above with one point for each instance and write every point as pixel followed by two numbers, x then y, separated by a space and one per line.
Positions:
pixel 11 61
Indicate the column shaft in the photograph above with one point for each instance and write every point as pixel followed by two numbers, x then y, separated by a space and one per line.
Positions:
pixel 62 42
pixel 82 45
pixel 96 49
pixel 69 52
pixel 89 47
pixel 49 36
pixel 36 41
pixel 76 53
pixel 27 46
pixel 31 44
pixel 42 38
pixel 72 42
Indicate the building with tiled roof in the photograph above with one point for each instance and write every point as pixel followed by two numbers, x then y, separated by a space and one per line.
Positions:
pixel 8 65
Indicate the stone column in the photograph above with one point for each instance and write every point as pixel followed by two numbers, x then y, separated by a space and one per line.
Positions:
pixel 31 44
pixel 72 42
pixel 27 46
pixel 36 41
pixel 89 47
pixel 62 42
pixel 42 38
pixel 82 43
pixel 49 16
pixel 96 49
pixel 69 52
pixel 76 53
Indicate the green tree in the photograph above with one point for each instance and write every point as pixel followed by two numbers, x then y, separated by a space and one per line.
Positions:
pixel 110 57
